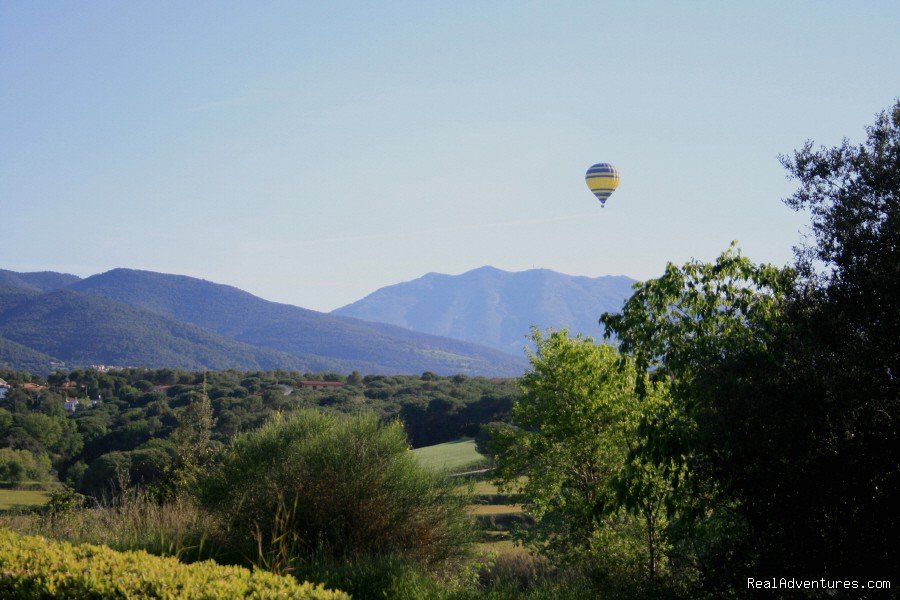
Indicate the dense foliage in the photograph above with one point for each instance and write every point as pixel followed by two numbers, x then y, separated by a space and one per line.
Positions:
pixel 33 567
pixel 566 452
pixel 339 485
pixel 128 420
pixel 713 332
pixel 846 322
pixel 17 356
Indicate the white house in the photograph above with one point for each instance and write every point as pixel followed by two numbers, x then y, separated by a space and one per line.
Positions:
pixel 4 387
pixel 71 404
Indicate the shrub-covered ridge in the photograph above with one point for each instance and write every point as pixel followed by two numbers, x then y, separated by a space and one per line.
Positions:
pixel 33 567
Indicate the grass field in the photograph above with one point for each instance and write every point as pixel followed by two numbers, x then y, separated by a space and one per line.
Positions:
pixel 495 509
pixel 495 512
pixel 22 499
pixel 453 457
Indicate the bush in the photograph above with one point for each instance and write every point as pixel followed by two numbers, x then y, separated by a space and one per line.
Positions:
pixel 17 466
pixel 376 577
pixel 33 567
pixel 337 485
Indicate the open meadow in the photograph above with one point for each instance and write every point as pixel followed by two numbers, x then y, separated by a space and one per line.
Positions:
pixel 22 500
pixel 495 513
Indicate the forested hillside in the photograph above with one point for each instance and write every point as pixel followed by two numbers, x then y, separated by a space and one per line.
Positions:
pixel 82 330
pixel 125 419
pixel 40 281
pixel 17 356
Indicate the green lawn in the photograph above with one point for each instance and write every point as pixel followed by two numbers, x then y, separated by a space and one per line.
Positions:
pixel 455 457
pixel 20 499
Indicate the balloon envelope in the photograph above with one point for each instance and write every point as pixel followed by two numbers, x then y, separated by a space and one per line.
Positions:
pixel 603 179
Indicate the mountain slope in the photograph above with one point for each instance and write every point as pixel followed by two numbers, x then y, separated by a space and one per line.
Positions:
pixel 83 329
pixel 41 281
pixel 228 311
pixel 17 357
pixel 494 307
pixel 13 295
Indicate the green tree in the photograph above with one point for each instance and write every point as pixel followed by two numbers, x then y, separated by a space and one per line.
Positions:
pixel 784 383
pixel 846 316
pixel 716 332
pixel 567 452
pixel 17 466
pixel 193 442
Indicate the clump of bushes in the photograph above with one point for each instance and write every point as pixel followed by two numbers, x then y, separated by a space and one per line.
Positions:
pixel 33 567
pixel 336 486
pixel 18 466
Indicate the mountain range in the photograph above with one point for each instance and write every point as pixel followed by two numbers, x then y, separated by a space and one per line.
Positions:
pixel 474 323
pixel 140 318
pixel 493 307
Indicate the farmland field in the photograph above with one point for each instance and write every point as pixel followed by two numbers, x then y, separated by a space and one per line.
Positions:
pixel 495 512
pixel 453 457
pixel 21 499
pixel 495 509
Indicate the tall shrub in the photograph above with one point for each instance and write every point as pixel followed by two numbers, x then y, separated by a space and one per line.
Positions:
pixel 334 484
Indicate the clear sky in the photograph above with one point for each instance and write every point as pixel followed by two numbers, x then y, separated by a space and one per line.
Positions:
pixel 311 153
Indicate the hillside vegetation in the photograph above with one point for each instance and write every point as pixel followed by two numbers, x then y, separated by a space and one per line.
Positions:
pixel 126 419
pixel 80 329
pixel 14 356
pixel 363 346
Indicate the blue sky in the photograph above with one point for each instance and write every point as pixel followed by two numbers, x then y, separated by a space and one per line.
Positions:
pixel 313 152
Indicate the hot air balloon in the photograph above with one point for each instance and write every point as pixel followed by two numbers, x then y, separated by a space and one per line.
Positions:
pixel 603 179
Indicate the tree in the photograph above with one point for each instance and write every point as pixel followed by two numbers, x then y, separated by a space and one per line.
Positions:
pixel 784 382
pixel 566 452
pixel 192 440
pixel 716 333
pixel 17 466
pixel 847 313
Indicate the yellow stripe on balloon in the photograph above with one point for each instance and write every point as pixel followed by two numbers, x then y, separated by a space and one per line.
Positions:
pixel 602 179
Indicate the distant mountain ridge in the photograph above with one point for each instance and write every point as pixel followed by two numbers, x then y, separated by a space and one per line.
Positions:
pixel 493 307
pixel 41 281
pixel 82 329
pixel 133 318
